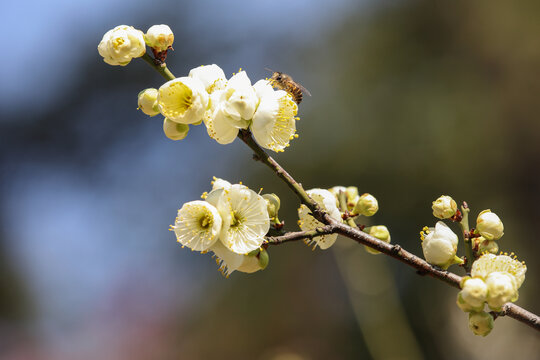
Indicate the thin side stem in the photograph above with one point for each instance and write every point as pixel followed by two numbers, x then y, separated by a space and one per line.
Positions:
pixel 464 223
pixel 162 69
pixel 299 235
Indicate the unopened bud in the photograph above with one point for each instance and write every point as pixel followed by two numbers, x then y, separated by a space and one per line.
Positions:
pixel 481 323
pixel 272 203
pixel 489 246
pixel 473 293
pixel 489 225
pixel 367 205
pixel 175 131
pixel 147 102
pixel 380 232
pixel 444 207
pixel 264 259
pixel 159 37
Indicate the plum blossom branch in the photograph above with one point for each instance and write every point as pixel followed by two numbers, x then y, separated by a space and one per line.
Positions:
pixel 352 232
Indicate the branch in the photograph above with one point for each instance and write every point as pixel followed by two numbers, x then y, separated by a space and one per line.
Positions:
pixel 333 226
pixel 395 251
pixel 299 235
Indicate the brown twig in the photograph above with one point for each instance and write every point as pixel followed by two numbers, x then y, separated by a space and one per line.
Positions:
pixel 395 251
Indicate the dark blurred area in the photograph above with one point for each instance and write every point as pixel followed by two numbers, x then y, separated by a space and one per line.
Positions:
pixel 411 100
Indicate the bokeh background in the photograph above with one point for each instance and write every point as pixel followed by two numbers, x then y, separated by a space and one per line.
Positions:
pixel 411 100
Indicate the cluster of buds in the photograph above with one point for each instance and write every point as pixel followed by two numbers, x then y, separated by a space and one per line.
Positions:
pixel 340 203
pixel 226 106
pixel 123 43
pixel 495 279
pixel 231 221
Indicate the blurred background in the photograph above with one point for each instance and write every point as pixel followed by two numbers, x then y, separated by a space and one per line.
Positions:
pixel 410 100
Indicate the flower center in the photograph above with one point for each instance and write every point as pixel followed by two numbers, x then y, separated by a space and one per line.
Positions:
pixel 205 221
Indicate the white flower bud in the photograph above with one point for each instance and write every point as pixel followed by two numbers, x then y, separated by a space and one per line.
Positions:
pixel 147 102
pixel 474 293
pixel 444 207
pixel 481 323
pixel 502 288
pixel 211 76
pixel 440 245
pixel 159 37
pixel 380 232
pixel 273 204
pixel 121 44
pixel 366 205
pixel 183 100
pixel 175 131
pixel 489 225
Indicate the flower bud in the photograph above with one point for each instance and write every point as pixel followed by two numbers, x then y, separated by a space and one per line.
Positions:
pixel 367 205
pixel 147 102
pixel 473 293
pixel 481 323
pixel 380 232
pixel 273 203
pixel 175 131
pixel 121 44
pixel 488 246
pixel 439 245
pixel 444 207
pixel 264 259
pixel 489 225
pixel 502 288
pixel 159 37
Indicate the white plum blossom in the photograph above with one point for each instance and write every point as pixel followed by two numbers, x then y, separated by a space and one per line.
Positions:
pixel 328 202
pixel 211 76
pixel 245 217
pixel 197 225
pixel 444 207
pixel 218 183
pixel 489 263
pixel 489 225
pixel 274 122
pixel 121 44
pixel 503 276
pixel 439 245
pixel 473 294
pixel 502 288
pixel 217 123
pixel 239 100
pixel 159 37
pixel 183 100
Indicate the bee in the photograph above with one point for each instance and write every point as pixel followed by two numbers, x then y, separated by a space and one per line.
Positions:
pixel 285 82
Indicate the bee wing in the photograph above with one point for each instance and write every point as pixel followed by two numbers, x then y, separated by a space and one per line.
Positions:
pixel 304 89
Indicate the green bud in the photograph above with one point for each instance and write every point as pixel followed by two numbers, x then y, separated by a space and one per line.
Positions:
pixel 367 205
pixel 481 323
pixel 264 259
pixel 380 232
pixel 273 204
pixel 489 246
pixel 444 207
pixel 175 131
